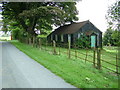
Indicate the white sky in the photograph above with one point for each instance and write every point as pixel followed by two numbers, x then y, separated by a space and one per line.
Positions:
pixel 95 11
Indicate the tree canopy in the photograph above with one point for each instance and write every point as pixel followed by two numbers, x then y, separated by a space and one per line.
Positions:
pixel 112 35
pixel 40 15
pixel 113 16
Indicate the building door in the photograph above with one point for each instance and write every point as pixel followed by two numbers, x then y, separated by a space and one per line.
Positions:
pixel 93 41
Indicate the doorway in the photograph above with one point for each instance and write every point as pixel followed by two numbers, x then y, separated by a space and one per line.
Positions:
pixel 93 41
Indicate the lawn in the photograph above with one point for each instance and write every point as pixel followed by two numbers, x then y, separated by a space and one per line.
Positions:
pixel 74 71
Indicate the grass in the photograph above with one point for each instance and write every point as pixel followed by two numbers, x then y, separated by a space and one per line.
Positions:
pixel 107 54
pixel 73 71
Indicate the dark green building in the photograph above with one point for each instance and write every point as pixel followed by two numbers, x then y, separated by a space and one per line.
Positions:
pixel 74 31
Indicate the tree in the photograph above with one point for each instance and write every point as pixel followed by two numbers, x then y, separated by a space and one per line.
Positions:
pixel 113 18
pixel 116 37
pixel 30 15
pixel 107 39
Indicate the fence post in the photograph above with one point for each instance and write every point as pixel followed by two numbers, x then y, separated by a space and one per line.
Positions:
pixel 86 55
pixel 51 46
pixel 54 47
pixel 75 52
pixel 98 59
pixel 25 40
pixel 29 41
pixel 94 57
pixel 118 59
pixel 36 42
pixel 69 44
pixel 46 46
pixel 59 49
pixel 33 41
pixel 39 43
pixel 117 64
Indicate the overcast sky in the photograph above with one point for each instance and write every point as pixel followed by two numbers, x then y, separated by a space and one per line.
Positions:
pixel 95 11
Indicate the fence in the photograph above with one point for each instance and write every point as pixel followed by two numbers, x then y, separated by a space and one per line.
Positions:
pixel 94 56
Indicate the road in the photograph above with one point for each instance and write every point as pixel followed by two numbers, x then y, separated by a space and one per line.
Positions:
pixel 0 65
pixel 20 71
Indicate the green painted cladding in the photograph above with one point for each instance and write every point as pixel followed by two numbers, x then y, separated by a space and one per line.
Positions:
pixel 86 27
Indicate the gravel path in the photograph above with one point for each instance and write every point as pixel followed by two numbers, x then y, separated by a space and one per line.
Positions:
pixel 20 71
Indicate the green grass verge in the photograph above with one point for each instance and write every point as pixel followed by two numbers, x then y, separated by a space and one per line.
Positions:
pixel 73 71
pixel 108 54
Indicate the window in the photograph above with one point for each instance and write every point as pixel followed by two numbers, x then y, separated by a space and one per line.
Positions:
pixel 56 37
pixel 69 37
pixel 51 37
pixel 78 35
pixel 61 38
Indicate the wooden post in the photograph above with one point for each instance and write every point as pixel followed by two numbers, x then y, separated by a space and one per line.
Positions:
pixel 98 59
pixel 86 55
pixel 46 46
pixel 59 49
pixel 69 44
pixel 33 41
pixel 39 43
pixel 22 40
pixel 94 57
pixel 75 52
pixel 54 47
pixel 26 41
pixel 36 42
pixel 29 41
pixel 118 59
pixel 51 46
pixel 117 64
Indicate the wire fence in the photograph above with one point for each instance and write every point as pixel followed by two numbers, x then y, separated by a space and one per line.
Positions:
pixel 99 58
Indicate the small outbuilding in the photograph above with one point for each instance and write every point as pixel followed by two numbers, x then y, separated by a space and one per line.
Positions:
pixel 73 32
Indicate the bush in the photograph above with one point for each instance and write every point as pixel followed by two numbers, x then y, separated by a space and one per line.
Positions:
pixel 43 40
pixel 15 34
pixel 83 42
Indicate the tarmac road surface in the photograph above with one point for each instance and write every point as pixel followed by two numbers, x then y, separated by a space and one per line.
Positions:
pixel 20 71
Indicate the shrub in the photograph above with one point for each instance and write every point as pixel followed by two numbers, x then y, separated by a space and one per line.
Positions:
pixel 83 42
